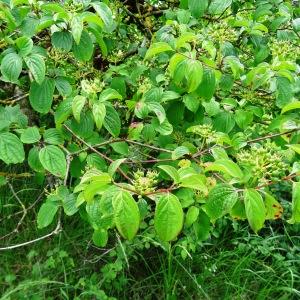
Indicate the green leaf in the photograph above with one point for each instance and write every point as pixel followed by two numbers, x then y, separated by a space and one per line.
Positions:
pixel 34 160
pixel 164 128
pixel 99 112
pixel 120 147
pixel 11 67
pixel 291 106
pixel 216 7
pixel 106 15
pixel 63 86
pixel 77 106
pixel 191 216
pixel 46 214
pixel 76 27
pixel 171 171
pixel 36 66
pixel 69 205
pixel 11 148
pixel 53 136
pixel 284 92
pixel 127 214
pixel 25 45
pixel 273 208
pixel 197 7
pixel 194 74
pixel 202 226
pixel 84 50
pixel 53 160
pixel 191 102
pixel 224 122
pixel 179 152
pixel 194 181
pixel 109 94
pixel 100 237
pixel 175 60
pixel 227 167
pixel 168 218
pixel 157 48
pixel 96 187
pixel 221 200
pixel 30 135
pixel 62 40
pixel 207 87
pixel 112 122
pixel 295 204
pixel 158 110
pixel 255 209
pixel 243 118
pixel 41 95
pixel 115 165
pixel 295 148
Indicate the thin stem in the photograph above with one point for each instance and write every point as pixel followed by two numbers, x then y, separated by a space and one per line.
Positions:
pixel 97 152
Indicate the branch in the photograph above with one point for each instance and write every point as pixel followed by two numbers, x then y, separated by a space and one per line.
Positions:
pixel 13 100
pixel 269 136
pixel 286 178
pixel 56 231
pixel 24 211
pixel 97 152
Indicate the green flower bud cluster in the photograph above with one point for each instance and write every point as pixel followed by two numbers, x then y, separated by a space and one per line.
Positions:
pixel 179 137
pixel 205 131
pixel 261 128
pixel 145 184
pixel 284 50
pixel 201 195
pixel 145 85
pixel 265 162
pixel 73 5
pixel 220 32
pixel 255 98
pixel 93 86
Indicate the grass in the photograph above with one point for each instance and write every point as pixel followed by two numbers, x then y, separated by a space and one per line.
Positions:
pixel 234 265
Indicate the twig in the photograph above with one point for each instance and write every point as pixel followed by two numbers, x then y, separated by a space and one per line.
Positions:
pixel 56 231
pixel 97 152
pixel 24 211
pixel 269 136
pixel 12 100
pixel 286 178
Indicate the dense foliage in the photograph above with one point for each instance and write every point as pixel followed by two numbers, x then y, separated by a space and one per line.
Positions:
pixel 152 120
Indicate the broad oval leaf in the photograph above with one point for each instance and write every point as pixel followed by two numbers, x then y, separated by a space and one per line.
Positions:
pixel 127 214
pixel 112 122
pixel 84 50
pixel 194 74
pixel 197 7
pixel 216 7
pixel 30 135
pixel 191 216
pixel 171 171
pixel 46 214
pixel 36 66
pixel 157 48
pixel 41 95
pixel 77 106
pixel 53 160
pixel 11 67
pixel 295 204
pixel 226 166
pixel 255 209
pixel 168 218
pixel 62 40
pixel 220 202
pixel 11 148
